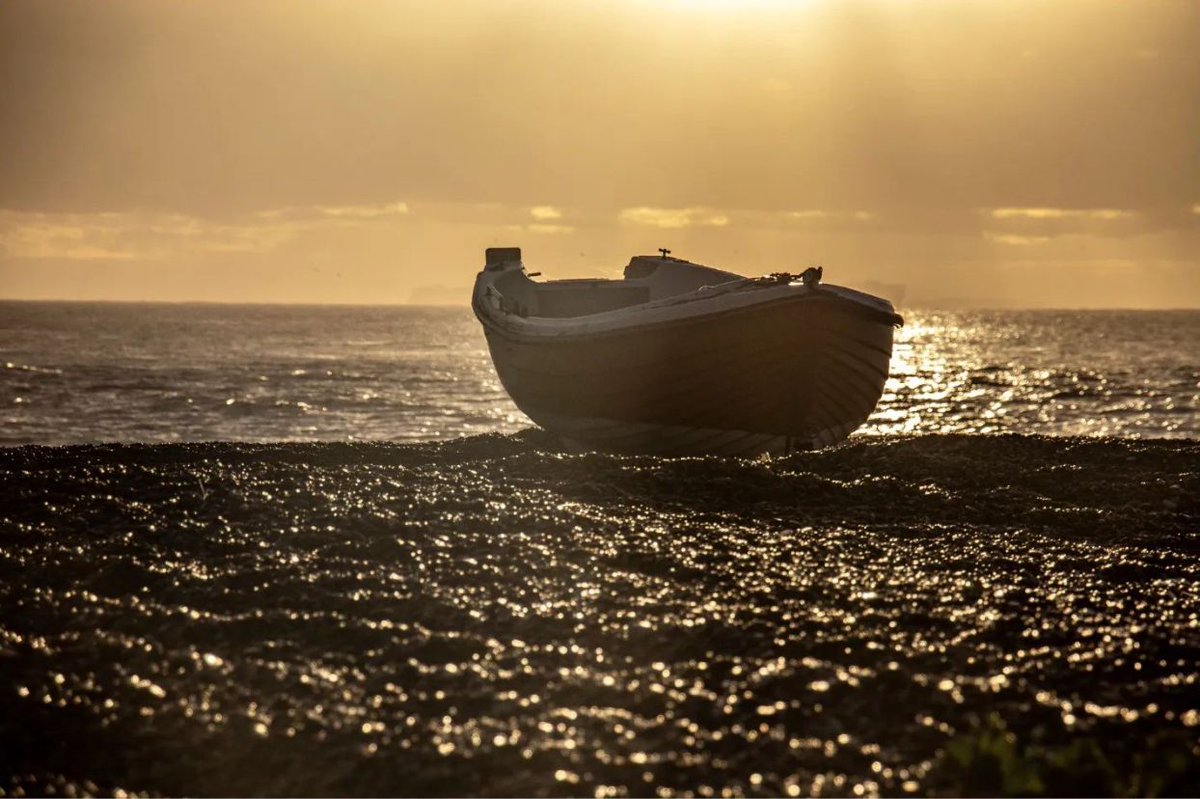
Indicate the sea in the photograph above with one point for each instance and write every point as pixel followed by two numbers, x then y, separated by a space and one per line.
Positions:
pixel 316 551
pixel 73 373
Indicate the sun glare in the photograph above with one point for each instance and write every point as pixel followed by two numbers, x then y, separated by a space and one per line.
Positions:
pixel 736 6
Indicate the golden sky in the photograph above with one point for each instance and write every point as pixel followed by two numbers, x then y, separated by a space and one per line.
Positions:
pixel 983 152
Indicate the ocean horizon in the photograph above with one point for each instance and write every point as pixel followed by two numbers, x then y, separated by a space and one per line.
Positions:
pixel 84 372
pixel 966 305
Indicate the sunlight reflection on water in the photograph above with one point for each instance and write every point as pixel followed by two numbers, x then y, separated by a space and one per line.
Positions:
pixel 75 373
pixel 1060 373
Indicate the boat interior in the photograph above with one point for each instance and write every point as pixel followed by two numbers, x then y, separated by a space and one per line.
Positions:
pixel 646 278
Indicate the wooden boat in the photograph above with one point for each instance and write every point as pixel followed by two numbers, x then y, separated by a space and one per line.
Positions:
pixel 679 358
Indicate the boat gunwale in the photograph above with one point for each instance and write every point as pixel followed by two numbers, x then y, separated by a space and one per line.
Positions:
pixel 522 332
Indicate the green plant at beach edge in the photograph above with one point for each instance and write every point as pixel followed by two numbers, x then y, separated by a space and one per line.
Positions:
pixel 993 761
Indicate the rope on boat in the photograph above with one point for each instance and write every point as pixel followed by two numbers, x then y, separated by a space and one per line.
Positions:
pixel 809 277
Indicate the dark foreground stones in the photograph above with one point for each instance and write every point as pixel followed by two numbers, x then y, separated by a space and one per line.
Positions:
pixel 941 614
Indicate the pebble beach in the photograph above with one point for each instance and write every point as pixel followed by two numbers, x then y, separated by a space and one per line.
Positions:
pixel 498 616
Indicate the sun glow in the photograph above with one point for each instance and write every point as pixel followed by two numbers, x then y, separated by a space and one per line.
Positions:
pixel 891 140
pixel 736 6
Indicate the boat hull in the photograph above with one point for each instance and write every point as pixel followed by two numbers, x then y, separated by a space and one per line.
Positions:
pixel 795 373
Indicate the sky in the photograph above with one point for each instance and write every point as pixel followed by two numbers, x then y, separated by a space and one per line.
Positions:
pixel 985 153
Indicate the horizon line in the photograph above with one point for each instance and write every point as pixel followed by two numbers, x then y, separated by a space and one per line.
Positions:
pixel 467 305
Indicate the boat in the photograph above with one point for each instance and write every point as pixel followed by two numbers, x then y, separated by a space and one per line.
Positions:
pixel 677 358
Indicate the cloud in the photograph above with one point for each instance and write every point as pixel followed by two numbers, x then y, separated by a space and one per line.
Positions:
pixel 821 219
pixel 1104 214
pixel 1038 222
pixel 75 236
pixel 363 211
pixel 816 213
pixel 141 235
pixel 544 212
pixel 132 235
pixel 1014 239
pixel 346 212
pixel 672 217
pixel 542 228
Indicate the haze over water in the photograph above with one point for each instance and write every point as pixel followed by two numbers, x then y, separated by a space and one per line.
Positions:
pixel 81 373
